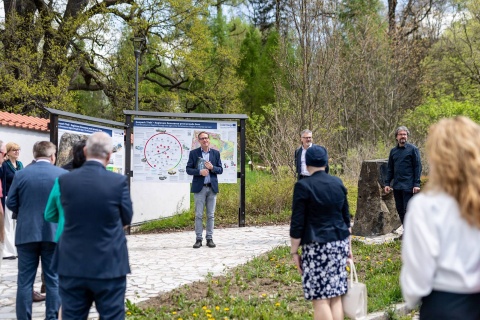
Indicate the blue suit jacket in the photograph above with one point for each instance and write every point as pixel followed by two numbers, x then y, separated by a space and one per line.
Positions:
pixel 28 196
pixel 7 175
pixel 97 205
pixel 298 160
pixel 320 210
pixel 197 182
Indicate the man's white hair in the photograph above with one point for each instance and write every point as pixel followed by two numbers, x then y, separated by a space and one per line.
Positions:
pixel 99 145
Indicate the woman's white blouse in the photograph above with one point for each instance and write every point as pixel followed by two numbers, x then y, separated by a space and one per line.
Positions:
pixel 440 250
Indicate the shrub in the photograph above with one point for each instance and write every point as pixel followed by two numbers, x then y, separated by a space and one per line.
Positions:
pixel 268 199
pixel 355 156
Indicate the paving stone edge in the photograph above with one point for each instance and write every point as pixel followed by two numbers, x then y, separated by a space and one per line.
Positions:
pixel 400 309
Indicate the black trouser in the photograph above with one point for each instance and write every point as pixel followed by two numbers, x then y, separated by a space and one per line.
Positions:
pixel 401 200
pixel 439 305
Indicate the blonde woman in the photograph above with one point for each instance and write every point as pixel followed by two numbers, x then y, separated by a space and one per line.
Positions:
pixel 441 251
pixel 9 167
pixel 3 153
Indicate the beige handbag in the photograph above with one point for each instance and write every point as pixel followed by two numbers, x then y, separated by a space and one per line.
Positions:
pixel 354 302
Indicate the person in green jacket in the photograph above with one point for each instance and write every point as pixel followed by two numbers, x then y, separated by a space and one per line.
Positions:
pixel 54 210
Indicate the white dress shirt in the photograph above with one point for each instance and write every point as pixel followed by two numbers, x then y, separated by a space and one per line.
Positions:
pixel 440 250
pixel 303 163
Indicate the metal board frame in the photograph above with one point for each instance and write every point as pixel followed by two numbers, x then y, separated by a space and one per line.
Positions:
pixel 241 129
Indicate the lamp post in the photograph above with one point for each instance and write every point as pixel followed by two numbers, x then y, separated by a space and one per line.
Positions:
pixel 138 43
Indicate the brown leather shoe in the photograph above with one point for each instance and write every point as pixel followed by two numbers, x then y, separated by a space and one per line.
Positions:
pixel 37 297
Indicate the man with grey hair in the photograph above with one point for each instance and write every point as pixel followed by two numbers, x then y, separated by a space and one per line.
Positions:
pixel 300 165
pixel 92 256
pixel 405 169
pixel 35 237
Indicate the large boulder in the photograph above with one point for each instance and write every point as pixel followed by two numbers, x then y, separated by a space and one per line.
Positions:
pixel 376 214
pixel 64 153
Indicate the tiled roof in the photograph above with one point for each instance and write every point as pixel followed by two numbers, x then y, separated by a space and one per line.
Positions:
pixel 24 122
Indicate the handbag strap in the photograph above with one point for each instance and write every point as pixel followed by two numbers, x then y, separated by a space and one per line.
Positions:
pixel 353 271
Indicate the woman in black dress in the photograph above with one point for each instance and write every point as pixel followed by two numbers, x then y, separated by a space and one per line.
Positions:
pixel 9 167
pixel 320 223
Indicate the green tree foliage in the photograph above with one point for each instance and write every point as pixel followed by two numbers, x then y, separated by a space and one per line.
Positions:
pixel 268 15
pixel 433 110
pixel 346 70
pixel 453 65
pixel 377 78
pixel 258 69
pixel 342 74
pixel 30 78
pixel 190 69
pixel 58 56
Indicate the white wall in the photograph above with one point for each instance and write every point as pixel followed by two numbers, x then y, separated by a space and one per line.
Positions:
pixel 25 139
pixel 150 200
pixel 158 200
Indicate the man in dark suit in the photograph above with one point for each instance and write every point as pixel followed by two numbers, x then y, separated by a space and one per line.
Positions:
pixel 92 256
pixel 300 166
pixel 34 237
pixel 36 296
pixel 405 169
pixel 204 164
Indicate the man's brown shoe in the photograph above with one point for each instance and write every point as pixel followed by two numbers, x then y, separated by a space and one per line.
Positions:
pixel 37 297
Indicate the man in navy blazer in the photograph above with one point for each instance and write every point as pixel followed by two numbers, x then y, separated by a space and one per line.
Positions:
pixel 300 166
pixel 34 237
pixel 204 164
pixel 92 256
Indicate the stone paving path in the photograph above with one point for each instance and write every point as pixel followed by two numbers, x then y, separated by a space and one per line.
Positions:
pixel 162 262
pixel 381 239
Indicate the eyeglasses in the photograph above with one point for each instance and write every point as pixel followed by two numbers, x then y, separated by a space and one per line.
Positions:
pixel 204 138
pixel 15 150
pixel 306 137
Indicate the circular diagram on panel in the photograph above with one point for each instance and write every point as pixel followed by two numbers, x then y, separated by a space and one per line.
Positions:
pixel 163 151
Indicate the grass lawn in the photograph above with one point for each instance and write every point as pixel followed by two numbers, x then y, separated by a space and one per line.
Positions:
pixel 269 287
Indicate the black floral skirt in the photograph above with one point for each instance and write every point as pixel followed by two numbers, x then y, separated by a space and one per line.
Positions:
pixel 324 269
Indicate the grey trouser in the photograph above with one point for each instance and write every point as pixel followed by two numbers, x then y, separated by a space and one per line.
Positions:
pixel 207 198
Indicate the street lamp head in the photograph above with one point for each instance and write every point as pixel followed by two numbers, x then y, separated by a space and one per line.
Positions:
pixel 138 44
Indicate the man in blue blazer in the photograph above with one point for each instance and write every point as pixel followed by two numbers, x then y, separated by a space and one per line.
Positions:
pixel 204 164
pixel 92 256
pixel 34 237
pixel 300 166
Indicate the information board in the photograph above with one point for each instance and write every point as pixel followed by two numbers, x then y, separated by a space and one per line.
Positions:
pixel 70 132
pixel 161 148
